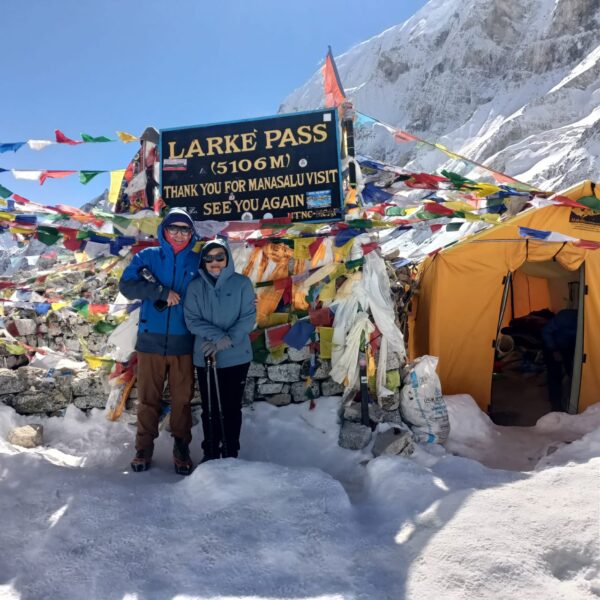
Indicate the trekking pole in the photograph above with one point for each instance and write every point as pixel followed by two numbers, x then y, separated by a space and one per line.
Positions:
pixel 210 443
pixel 224 452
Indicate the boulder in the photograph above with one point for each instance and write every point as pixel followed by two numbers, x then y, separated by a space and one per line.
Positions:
pixel 331 388
pixel 249 391
pixel 287 372
pixel 323 368
pixel 33 402
pixel 279 399
pixel 299 355
pixel 299 391
pixel 10 382
pixel 257 370
pixel 354 436
pixel 270 388
pixel 394 441
pixel 28 436
pixel 93 401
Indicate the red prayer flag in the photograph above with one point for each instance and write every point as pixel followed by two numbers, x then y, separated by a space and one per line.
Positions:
pixel 61 138
pixel 54 175
pixel 402 136
pixel 334 91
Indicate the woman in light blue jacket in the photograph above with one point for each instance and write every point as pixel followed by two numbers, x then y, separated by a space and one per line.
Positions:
pixel 220 311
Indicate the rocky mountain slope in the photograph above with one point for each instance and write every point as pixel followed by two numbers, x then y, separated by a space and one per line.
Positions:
pixel 514 84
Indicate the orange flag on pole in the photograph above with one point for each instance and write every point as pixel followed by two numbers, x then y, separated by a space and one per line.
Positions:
pixel 334 90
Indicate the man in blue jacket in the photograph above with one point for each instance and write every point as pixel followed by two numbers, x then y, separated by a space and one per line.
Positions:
pixel 220 311
pixel 159 277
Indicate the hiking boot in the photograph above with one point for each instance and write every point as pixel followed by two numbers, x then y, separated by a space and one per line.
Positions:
pixel 141 461
pixel 181 457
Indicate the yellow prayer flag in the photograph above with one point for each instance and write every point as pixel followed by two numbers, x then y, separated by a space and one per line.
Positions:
pixel 485 189
pixel 6 216
pixel 58 305
pixel 325 337
pixel 116 178
pixel 458 205
pixel 350 197
pixel 301 245
pixel 147 225
pixel 98 362
pixel 342 252
pixel 447 152
pixel 327 292
pixel 278 351
pixel 127 137
pixel 277 319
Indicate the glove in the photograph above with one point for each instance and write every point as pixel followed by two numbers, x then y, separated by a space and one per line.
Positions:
pixel 208 348
pixel 223 343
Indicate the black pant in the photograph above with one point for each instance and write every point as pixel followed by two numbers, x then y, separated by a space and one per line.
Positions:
pixel 232 381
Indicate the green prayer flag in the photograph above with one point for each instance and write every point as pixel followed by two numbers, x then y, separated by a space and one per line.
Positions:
pixel 4 192
pixel 104 327
pixel 87 176
pixel 88 138
pixel 591 202
pixel 48 235
pixel 259 349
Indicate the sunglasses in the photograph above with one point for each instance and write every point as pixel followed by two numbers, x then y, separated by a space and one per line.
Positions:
pixel 179 229
pixel 207 258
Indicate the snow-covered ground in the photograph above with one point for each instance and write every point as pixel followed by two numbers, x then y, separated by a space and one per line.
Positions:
pixel 297 517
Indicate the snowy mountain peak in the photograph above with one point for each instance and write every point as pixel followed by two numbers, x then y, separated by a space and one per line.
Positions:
pixel 514 84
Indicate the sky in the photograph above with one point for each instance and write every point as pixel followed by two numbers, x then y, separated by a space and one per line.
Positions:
pixel 298 517
pixel 99 67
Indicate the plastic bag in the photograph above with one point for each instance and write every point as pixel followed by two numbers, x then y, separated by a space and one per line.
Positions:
pixel 421 403
pixel 124 337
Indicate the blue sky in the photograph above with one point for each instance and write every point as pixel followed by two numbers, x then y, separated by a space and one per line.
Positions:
pixel 98 67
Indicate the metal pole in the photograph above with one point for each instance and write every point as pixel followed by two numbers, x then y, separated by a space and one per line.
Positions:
pixel 210 443
pixel 221 417
pixel 364 390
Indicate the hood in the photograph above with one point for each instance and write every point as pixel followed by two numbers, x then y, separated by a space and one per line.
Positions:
pixel 176 214
pixel 227 271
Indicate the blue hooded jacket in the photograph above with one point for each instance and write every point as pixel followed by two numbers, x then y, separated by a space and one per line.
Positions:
pixel 162 332
pixel 225 307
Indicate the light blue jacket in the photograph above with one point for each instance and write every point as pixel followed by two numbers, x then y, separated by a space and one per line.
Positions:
pixel 226 307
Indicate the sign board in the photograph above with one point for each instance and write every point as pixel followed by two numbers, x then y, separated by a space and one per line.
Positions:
pixel 280 166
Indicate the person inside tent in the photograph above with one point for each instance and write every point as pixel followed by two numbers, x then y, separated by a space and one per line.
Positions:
pixel 220 311
pixel 559 336
pixel 159 276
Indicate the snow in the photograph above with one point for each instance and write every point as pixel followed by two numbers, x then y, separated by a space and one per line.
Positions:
pixel 500 512
pixel 487 79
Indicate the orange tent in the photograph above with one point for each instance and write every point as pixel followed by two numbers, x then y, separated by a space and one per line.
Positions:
pixel 462 299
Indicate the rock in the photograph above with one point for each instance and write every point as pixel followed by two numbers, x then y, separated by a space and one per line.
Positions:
pixel 393 361
pixel 249 391
pixel 10 382
pixel 85 383
pixel 323 368
pixel 394 441
pixel 86 402
pixel 25 326
pixel 288 372
pixel 28 436
pixel 270 388
pixel 352 412
pixel 331 388
pixel 279 399
pixel 257 370
pixel 299 391
pixel 12 362
pixel 354 436
pixel 299 355
pixel 37 402
pixel 391 402
pixel 392 416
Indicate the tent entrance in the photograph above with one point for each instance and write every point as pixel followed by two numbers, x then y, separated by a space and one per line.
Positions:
pixel 539 344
